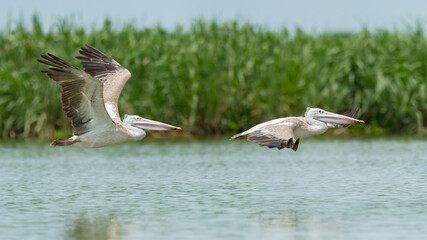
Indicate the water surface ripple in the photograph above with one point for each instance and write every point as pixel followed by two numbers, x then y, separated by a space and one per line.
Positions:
pixel 209 189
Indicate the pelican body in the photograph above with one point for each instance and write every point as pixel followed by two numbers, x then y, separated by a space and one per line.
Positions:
pixel 90 101
pixel 286 132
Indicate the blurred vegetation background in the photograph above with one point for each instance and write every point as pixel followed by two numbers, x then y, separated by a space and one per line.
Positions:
pixel 220 78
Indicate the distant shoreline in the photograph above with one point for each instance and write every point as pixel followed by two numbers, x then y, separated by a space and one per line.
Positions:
pixel 216 79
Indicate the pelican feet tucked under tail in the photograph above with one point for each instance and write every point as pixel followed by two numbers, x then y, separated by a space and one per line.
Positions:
pixel 90 101
pixel 286 132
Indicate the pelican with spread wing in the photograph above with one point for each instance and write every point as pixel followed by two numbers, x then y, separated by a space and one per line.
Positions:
pixel 286 132
pixel 90 101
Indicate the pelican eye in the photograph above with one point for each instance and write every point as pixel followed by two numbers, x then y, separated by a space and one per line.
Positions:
pixel 138 118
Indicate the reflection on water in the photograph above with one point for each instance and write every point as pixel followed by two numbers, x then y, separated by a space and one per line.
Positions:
pixel 286 220
pixel 291 224
pixel 96 228
pixel 370 189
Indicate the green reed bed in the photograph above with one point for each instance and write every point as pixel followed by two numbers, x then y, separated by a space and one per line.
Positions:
pixel 219 78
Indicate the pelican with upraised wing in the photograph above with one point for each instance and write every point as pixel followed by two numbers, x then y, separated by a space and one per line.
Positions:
pixel 90 101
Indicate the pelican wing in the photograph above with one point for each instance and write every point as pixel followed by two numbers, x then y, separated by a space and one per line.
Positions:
pixel 109 72
pixel 82 100
pixel 275 136
pixel 352 113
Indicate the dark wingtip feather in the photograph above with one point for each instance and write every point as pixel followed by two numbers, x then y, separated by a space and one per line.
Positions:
pixel 295 146
pixel 352 113
pixel 45 57
pixel 63 142
pixel 239 135
pixel 290 142
pixel 82 58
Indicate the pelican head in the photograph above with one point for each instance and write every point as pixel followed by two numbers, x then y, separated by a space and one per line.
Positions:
pixel 329 117
pixel 147 124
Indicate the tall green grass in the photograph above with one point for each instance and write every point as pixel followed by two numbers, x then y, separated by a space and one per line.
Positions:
pixel 219 78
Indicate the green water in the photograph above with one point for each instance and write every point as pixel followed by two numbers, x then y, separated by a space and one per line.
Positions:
pixel 329 189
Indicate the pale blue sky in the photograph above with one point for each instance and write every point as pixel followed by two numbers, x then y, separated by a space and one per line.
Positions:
pixel 311 15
